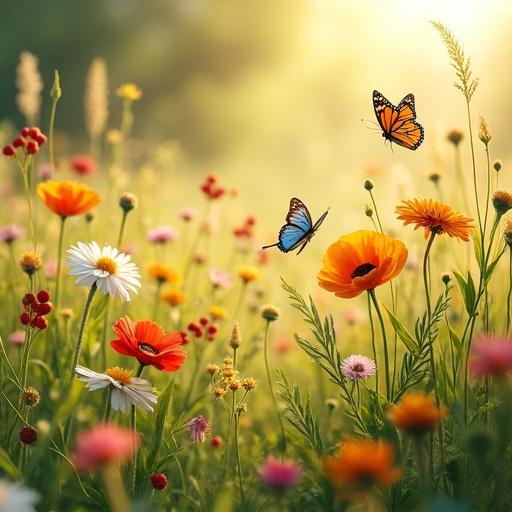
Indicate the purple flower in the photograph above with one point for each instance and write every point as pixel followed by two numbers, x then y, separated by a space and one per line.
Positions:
pixel 162 234
pixel 220 278
pixel 198 428
pixel 280 475
pixel 10 234
pixel 187 214
pixel 357 367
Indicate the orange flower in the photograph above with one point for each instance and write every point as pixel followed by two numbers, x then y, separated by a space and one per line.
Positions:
pixel 248 274
pixel 361 261
pixel 163 273
pixel 174 297
pixel 362 464
pixel 435 217
pixel 416 413
pixel 66 198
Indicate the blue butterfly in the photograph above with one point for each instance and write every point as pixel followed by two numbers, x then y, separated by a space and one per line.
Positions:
pixel 299 228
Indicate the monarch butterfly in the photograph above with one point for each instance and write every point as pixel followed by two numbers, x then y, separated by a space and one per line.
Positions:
pixel 398 124
pixel 299 227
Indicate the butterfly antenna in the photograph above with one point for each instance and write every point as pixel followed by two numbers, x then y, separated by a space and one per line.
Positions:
pixel 268 246
pixel 372 126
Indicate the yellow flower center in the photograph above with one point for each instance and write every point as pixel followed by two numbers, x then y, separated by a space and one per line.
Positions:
pixel 120 374
pixel 106 264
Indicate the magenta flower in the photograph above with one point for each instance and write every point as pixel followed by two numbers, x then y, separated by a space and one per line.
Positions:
pixel 16 338
pixel 220 278
pixel 357 367
pixel 353 315
pixel 44 171
pixel 10 234
pixel 162 234
pixel 491 355
pixel 280 475
pixel 187 214
pixel 50 269
pixel 198 428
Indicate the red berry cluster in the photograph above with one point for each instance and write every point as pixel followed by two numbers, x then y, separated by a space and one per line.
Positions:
pixel 36 308
pixel 204 327
pixel 29 140
pixel 211 188
pixel 246 229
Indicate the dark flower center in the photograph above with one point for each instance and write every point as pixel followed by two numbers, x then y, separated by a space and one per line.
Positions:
pixel 146 347
pixel 363 269
pixel 358 367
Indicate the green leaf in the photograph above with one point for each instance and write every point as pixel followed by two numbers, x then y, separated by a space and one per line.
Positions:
pixel 402 333
pixel 8 465
pixel 468 291
pixel 455 339
pixel 490 269
pixel 477 247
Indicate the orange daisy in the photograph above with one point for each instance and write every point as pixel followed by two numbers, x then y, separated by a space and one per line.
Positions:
pixel 163 273
pixel 416 413
pixel 173 297
pixel 362 464
pixel 435 217
pixel 361 261
pixel 67 198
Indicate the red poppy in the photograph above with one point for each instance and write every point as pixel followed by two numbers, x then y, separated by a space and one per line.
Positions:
pixel 147 341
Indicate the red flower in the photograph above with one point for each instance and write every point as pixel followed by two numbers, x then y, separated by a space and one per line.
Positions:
pixel 83 164
pixel 146 341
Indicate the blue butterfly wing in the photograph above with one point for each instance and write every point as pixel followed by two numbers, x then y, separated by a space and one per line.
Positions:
pixel 298 215
pixel 290 237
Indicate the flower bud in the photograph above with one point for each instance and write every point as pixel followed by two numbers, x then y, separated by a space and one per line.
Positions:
pixel 368 184
pixel 128 202
pixel 28 435
pixel 235 338
pixel 270 313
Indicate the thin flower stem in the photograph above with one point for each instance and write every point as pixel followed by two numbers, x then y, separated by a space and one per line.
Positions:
pixel 373 344
pixel 51 146
pixel 473 161
pixel 509 295
pixel 488 192
pixel 80 338
pixel 372 295
pixel 238 461
pixel 121 229
pixel 58 283
pixel 419 455
pixel 108 406
pixel 376 211
pixel 269 379
pixel 133 427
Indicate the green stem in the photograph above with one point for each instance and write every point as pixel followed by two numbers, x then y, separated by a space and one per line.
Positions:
pixel 238 461
pixel 121 229
pixel 108 406
pixel 419 455
pixel 269 379
pixel 374 347
pixel 488 192
pixel 133 426
pixel 51 150
pixel 473 161
pixel 80 339
pixel 509 295
pixel 58 284
pixel 384 341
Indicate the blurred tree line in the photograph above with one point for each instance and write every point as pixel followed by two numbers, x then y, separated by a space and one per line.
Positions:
pixel 190 57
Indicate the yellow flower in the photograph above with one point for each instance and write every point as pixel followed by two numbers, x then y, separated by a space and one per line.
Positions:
pixel 174 297
pixel 129 91
pixel 30 262
pixel 218 312
pixel 163 273
pixel 248 274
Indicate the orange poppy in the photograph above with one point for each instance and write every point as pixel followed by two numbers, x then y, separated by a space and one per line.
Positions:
pixel 67 198
pixel 149 344
pixel 435 217
pixel 416 413
pixel 362 464
pixel 361 261
pixel 163 273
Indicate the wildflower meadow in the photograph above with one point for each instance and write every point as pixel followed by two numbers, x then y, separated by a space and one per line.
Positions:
pixel 175 337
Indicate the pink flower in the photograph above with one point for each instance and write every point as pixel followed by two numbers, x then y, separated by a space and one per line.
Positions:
pixel 352 315
pixel 491 356
pixel 220 278
pixel 16 338
pixel 10 234
pixel 50 269
pixel 44 171
pixel 210 225
pixel 187 214
pixel 280 475
pixel 357 367
pixel 283 345
pixel 198 428
pixel 83 164
pixel 162 234
pixel 104 444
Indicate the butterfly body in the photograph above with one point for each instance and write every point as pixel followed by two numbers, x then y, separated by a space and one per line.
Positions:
pixel 398 123
pixel 299 228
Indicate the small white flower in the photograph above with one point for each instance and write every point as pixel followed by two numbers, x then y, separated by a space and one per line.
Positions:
pixel 126 390
pixel 14 497
pixel 111 270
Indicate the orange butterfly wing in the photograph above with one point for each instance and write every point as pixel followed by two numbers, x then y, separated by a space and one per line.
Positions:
pixel 398 123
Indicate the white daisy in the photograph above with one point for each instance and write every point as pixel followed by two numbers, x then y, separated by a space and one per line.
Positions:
pixel 126 389
pixel 14 497
pixel 111 270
